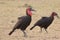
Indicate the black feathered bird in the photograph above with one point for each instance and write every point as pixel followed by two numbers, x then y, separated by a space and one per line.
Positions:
pixel 24 21
pixel 44 22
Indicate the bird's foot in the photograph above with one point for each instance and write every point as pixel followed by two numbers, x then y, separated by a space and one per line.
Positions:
pixel 46 31
pixel 25 36
pixel 40 30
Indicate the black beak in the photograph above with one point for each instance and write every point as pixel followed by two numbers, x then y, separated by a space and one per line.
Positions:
pixel 57 16
pixel 33 10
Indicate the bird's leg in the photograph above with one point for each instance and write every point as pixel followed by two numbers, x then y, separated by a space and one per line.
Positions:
pixel 46 30
pixel 41 30
pixel 25 35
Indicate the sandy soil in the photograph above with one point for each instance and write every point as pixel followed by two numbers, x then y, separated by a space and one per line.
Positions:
pixel 10 10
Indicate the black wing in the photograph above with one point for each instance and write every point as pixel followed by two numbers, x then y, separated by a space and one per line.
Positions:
pixel 42 21
pixel 19 22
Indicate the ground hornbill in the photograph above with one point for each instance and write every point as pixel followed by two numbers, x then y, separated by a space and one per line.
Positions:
pixel 24 21
pixel 44 22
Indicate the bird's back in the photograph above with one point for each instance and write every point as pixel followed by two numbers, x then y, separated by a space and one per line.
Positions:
pixel 44 22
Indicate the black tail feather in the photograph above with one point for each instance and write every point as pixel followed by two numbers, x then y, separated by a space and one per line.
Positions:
pixel 11 31
pixel 32 27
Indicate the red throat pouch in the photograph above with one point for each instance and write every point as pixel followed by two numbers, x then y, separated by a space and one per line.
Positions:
pixel 29 13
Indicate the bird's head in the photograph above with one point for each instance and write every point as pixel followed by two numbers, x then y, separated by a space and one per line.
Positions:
pixel 55 14
pixel 28 10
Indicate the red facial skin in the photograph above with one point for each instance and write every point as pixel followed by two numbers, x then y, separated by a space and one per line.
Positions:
pixel 28 10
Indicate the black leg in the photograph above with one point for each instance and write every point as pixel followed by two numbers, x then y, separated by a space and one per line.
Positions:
pixel 41 30
pixel 46 30
pixel 25 35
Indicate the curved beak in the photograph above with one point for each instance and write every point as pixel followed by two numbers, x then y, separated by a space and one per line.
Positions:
pixel 33 10
pixel 57 16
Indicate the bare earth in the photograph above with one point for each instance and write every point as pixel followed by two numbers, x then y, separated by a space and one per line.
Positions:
pixel 10 10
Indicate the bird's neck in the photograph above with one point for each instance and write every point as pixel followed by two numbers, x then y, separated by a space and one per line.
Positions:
pixel 29 13
pixel 52 16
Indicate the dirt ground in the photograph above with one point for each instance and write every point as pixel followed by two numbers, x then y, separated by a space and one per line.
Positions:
pixel 10 10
